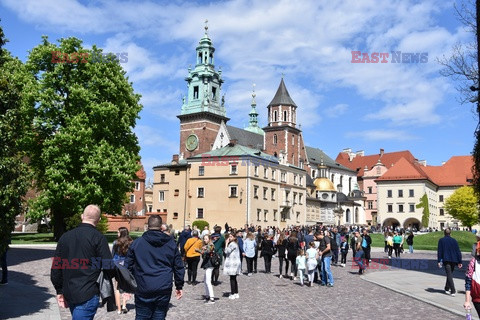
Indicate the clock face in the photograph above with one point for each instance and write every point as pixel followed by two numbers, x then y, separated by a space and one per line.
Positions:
pixel 192 142
pixel 324 196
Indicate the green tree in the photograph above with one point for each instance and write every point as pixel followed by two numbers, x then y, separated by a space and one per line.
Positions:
pixel 16 106
pixel 84 149
pixel 426 212
pixel 463 205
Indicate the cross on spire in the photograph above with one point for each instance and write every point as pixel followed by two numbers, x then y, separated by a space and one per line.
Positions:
pixel 206 26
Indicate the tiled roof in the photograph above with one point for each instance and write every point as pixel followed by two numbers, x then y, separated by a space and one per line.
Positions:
pixel 245 137
pixel 457 171
pixel 404 170
pixel 359 162
pixel 141 174
pixel 316 155
pixel 180 163
pixel 282 97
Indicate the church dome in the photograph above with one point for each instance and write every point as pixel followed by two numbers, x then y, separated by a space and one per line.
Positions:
pixel 323 184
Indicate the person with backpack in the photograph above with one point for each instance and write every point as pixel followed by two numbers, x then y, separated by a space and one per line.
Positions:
pixel 410 242
pixel 292 250
pixel 192 256
pixel 268 250
pixel 366 246
pixel 207 252
pixel 219 242
pixel 249 247
pixel 119 252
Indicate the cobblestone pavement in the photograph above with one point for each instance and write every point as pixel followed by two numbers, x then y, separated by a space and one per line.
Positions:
pixel 261 295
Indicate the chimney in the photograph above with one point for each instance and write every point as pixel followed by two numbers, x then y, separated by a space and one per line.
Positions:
pixel 175 158
pixel 382 152
pixel 360 153
pixel 232 142
pixel 423 162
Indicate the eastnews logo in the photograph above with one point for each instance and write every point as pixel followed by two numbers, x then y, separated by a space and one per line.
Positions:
pixel 395 57
pixel 84 57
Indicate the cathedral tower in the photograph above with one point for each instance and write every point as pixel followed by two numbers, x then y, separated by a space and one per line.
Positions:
pixel 203 110
pixel 282 138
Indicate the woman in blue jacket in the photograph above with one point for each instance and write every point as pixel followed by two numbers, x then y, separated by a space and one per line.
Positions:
pixel 249 248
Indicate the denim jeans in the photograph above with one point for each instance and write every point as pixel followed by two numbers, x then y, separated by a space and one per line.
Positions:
pixel 327 273
pixel 359 260
pixel 151 308
pixel 410 248
pixel 85 310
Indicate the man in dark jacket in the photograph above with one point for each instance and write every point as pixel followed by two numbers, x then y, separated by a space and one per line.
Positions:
pixel 366 246
pixel 183 237
pixel 80 255
pixel 449 255
pixel 154 261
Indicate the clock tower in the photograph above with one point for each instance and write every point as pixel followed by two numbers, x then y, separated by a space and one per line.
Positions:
pixel 203 110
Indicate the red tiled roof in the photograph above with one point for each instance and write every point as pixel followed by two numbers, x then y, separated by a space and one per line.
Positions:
pixel 359 162
pixel 404 170
pixel 457 171
pixel 141 174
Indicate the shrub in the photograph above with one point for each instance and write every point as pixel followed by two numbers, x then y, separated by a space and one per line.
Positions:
pixel 201 224
pixel 102 225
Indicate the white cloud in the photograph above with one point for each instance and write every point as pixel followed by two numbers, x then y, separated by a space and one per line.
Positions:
pixel 377 135
pixel 337 110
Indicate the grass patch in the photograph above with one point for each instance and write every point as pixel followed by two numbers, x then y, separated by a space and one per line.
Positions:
pixel 47 238
pixel 429 241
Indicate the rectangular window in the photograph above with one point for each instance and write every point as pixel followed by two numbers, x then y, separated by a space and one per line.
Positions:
pixel 200 192
pixel 442 212
pixel 255 171
pixel 293 140
pixel 400 208
pixel 370 205
pixel 287 194
pixel 265 173
pixel 233 191
pixel 283 177
pixel 273 174
pixel 137 186
pixel 389 193
pixel 411 193
pixel 265 214
pixel 412 208
pixel 161 196
pixel 298 216
pixel 255 192
pixel 150 208
pixel 295 179
pixel 195 92
pixel 132 198
pixel 274 215
pixel 390 208
pixel 370 189
pixel 440 198
pixel 400 193
pixel 162 178
pixel 265 191
pixel 294 198
pixel 301 180
pixel 177 172
pixel 177 193
pixel 201 170
pixel 259 212
pixel 300 197
pixel 273 194
pixel 233 169
pixel 199 213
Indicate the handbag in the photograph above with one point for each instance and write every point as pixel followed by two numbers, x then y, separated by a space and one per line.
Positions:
pixel 215 259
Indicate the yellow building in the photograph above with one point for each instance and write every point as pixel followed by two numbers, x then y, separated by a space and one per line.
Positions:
pixel 235 185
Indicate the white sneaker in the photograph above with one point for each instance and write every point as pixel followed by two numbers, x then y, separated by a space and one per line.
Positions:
pixel 236 296
pixel 280 276
pixel 210 301
pixel 453 294
pixel 447 291
pixel 249 274
pixel 231 297
pixel 294 278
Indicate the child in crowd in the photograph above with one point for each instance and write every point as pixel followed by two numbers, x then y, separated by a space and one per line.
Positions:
pixel 312 256
pixel 301 264
pixel 344 251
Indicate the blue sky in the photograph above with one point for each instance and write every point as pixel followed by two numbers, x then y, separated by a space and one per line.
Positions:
pixel 394 106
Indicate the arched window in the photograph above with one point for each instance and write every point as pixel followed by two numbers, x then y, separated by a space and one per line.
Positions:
pixel 275 139
pixel 356 215
pixel 275 116
pixel 284 115
pixel 347 216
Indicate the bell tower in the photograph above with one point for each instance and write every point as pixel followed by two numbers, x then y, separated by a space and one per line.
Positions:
pixel 282 135
pixel 203 110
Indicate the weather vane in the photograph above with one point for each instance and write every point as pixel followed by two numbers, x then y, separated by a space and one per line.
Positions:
pixel 206 26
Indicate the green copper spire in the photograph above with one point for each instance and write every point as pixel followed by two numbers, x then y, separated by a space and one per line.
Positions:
pixel 253 125
pixel 204 82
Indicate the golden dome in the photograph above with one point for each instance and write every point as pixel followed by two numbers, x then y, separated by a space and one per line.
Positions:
pixel 323 184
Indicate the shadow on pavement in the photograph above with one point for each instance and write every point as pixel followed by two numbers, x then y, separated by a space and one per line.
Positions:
pixel 13 299
pixel 20 255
